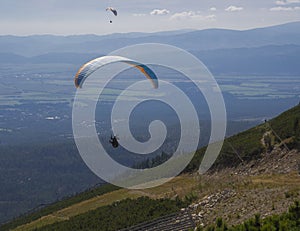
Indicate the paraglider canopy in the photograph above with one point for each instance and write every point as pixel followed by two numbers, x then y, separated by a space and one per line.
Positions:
pixel 113 10
pixel 90 67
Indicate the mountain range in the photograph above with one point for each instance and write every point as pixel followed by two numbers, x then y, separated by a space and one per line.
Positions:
pixel 209 39
pixel 265 51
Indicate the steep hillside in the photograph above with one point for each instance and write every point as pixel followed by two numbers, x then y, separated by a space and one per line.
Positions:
pixel 257 172
pixel 282 131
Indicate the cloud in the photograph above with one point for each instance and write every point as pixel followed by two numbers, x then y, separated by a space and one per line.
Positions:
pixel 211 17
pixel 213 9
pixel 234 8
pixel 281 8
pixel 159 12
pixel 185 15
pixel 139 15
pixel 286 2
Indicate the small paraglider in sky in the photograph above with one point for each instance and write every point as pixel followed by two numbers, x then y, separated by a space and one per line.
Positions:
pixel 113 10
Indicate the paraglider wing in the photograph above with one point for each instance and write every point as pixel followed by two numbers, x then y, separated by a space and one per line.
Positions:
pixel 146 71
pixel 95 64
pixel 113 10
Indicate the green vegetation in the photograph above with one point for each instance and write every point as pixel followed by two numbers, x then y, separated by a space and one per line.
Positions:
pixel 287 126
pixel 241 147
pixel 37 174
pixel 248 145
pixel 289 221
pixel 180 186
pixel 58 206
pixel 119 215
pixel 153 162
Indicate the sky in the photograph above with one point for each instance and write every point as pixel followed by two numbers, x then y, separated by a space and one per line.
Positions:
pixel 71 17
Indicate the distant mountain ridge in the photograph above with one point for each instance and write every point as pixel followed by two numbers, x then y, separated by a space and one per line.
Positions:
pixel 208 39
pixel 265 60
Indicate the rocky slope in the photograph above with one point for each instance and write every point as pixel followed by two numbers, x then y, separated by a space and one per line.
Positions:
pixel 265 186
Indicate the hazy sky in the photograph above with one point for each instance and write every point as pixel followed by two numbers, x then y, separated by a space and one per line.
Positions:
pixel 20 17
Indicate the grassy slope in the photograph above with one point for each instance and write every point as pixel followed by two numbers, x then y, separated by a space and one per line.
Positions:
pixel 248 188
pixel 181 185
pixel 59 206
pixel 119 215
pixel 248 145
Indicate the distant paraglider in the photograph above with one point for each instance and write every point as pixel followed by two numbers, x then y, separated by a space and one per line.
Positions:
pixel 113 10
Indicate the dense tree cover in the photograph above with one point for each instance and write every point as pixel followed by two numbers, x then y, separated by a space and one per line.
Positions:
pixel 153 162
pixel 59 205
pixel 289 221
pixel 247 145
pixel 37 174
pixel 119 215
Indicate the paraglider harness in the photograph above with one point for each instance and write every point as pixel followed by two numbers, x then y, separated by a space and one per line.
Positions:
pixel 114 141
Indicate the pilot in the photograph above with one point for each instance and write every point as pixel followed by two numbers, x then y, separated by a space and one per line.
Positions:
pixel 114 141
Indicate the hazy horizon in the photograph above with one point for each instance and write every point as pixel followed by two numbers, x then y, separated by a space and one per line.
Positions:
pixel 74 18
pixel 185 30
